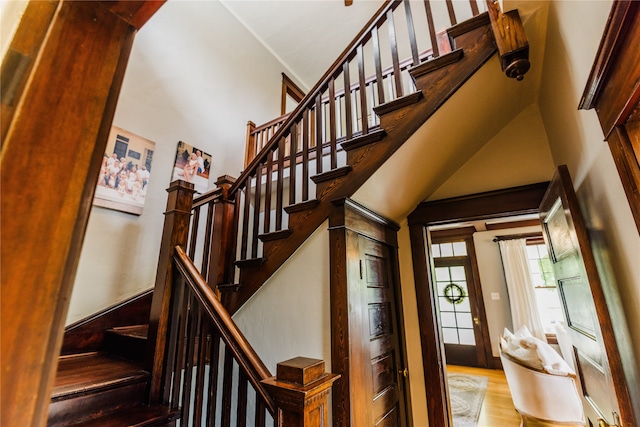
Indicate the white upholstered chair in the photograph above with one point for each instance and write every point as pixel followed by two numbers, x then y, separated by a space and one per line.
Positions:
pixel 540 396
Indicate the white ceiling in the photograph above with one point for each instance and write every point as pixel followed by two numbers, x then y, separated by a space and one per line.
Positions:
pixel 305 35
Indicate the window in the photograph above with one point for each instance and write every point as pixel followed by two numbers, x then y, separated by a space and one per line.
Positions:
pixel 545 289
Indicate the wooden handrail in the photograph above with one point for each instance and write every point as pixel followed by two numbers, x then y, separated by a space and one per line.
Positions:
pixel 246 356
pixel 335 68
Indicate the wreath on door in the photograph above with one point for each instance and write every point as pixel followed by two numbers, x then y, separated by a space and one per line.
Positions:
pixel 454 293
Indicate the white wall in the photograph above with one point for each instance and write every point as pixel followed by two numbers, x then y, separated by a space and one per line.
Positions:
pixel 10 15
pixel 576 140
pixel 290 315
pixel 519 154
pixel 188 79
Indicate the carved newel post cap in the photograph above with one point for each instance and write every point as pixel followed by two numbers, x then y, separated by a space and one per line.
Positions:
pixel 300 370
pixel 517 69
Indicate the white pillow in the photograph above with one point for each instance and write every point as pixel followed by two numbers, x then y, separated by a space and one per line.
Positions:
pixel 534 352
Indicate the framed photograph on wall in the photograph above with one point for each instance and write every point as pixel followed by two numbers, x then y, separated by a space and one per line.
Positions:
pixel 125 172
pixel 192 165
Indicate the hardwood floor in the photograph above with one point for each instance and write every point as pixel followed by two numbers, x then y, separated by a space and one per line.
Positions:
pixel 497 407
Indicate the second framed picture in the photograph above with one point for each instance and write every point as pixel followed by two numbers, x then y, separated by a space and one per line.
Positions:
pixel 192 165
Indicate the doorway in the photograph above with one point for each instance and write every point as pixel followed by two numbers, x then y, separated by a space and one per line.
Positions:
pixel 517 201
pixel 458 297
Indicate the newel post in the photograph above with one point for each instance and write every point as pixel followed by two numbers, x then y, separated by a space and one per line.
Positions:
pixel 301 391
pixel 511 40
pixel 174 233
pixel 250 149
pixel 221 257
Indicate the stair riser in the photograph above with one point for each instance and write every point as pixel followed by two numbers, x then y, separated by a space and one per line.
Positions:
pixel 131 348
pixel 80 408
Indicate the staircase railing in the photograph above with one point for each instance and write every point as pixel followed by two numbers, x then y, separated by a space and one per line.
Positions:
pixel 200 362
pixel 306 148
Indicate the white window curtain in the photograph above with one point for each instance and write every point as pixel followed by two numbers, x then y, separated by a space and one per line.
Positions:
pixel 522 299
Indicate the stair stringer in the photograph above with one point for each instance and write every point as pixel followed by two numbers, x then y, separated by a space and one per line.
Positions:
pixel 478 46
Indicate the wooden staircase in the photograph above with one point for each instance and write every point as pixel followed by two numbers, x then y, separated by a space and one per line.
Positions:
pixel 108 387
pixel 322 152
pixel 435 80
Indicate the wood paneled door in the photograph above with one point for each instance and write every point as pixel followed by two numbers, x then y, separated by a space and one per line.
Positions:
pixel 381 339
pixel 367 342
pixel 599 367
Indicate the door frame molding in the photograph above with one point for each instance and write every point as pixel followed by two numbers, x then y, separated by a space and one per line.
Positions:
pixel 492 204
pixel 347 220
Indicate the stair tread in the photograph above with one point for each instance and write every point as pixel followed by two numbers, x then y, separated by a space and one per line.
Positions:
pixel 137 416
pixel 83 373
pixel 134 331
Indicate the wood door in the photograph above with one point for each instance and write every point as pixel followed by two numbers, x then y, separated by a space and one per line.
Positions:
pixel 458 312
pixel 596 355
pixel 385 384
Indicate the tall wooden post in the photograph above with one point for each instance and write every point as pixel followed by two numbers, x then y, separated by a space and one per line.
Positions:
pixel 250 150
pixel 222 245
pixel 175 233
pixel 511 40
pixel 301 391
pixel 60 83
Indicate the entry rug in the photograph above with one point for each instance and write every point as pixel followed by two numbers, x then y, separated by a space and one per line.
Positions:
pixel 466 393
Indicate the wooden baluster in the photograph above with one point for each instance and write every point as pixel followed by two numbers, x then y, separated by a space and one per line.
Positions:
pixel 267 193
pixel 319 126
pixel 192 331
pixel 243 382
pixel 175 232
pixel 347 100
pixel 305 155
pixel 206 250
pixel 245 220
pixel 256 212
pixel 332 124
pixel 376 59
pixel 301 390
pixel 412 33
pixel 280 184
pixel 432 29
pixel 203 349
pixel 364 111
pixel 452 13
pixel 175 326
pixel 193 238
pixel 394 55
pixel 474 8
pixel 181 348
pixel 227 386
pixel 214 367
pixel 293 143
pixel 251 148
pixel 260 419
pixel 223 239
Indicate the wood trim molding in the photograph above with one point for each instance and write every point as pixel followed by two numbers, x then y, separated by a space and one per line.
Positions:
pixel 291 89
pixel 621 20
pixel 613 91
pixel 491 204
pixel 447 235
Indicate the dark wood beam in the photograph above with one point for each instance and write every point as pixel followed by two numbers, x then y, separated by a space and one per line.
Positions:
pixel 491 204
pixel 50 162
